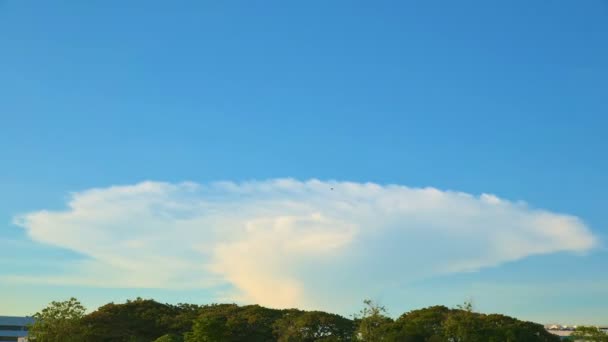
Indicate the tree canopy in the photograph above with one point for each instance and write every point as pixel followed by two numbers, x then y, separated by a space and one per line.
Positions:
pixel 591 334
pixel 146 320
pixel 308 326
pixel 59 321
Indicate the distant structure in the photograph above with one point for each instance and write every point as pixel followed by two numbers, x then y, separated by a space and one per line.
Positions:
pixel 14 329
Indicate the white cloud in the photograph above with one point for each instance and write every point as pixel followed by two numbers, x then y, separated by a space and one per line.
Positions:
pixel 289 243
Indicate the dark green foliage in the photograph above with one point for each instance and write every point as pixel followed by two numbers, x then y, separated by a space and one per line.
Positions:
pixel 373 324
pixel 185 316
pixel 503 328
pixel 421 325
pixel 59 322
pixel 138 320
pixel 440 324
pixel 463 325
pixel 229 322
pixel 170 338
pixel 147 320
pixel 309 326
pixel 592 334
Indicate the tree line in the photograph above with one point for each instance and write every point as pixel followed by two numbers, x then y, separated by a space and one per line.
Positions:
pixel 145 320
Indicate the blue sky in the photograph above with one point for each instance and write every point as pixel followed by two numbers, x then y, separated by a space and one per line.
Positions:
pixel 475 97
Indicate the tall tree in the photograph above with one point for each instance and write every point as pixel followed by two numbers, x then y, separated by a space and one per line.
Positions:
pixel 373 323
pixel 59 322
pixel 463 325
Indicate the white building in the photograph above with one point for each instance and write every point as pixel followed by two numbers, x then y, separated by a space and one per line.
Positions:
pixel 14 329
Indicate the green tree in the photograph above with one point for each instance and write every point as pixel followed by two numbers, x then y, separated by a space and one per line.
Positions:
pixel 500 328
pixel 144 320
pixel 59 322
pixel 184 318
pixel 139 320
pixel 231 323
pixel 423 325
pixel 309 326
pixel 373 324
pixel 463 325
pixel 211 326
pixel 585 333
pixel 170 338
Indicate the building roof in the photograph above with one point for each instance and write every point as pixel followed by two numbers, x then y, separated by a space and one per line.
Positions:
pixel 15 320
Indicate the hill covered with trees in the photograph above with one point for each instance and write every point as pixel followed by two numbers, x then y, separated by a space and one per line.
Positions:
pixel 144 320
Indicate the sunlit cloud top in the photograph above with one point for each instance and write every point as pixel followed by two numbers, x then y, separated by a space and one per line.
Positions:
pixel 284 242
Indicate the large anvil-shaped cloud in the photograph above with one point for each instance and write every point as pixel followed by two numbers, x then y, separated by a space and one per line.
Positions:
pixel 288 243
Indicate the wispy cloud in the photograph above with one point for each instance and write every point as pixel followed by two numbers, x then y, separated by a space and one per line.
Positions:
pixel 285 242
